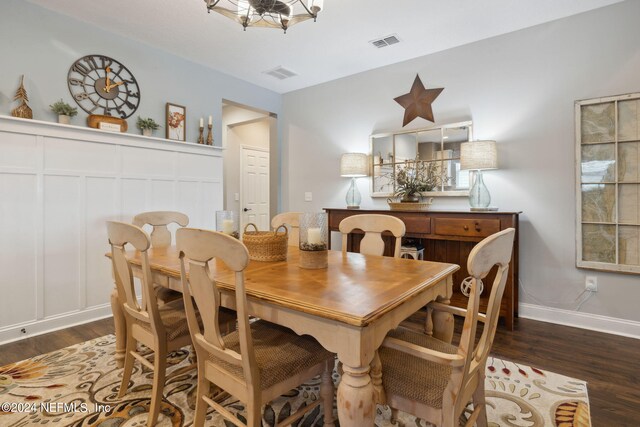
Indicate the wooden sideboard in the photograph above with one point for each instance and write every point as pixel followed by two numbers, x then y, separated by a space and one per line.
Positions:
pixel 449 236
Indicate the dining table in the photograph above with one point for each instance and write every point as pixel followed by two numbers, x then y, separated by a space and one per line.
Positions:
pixel 348 307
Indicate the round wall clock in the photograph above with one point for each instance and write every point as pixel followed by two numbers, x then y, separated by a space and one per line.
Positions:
pixel 101 85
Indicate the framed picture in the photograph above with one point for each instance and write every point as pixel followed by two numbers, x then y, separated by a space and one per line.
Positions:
pixel 176 117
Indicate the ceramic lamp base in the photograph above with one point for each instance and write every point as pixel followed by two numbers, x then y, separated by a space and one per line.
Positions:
pixel 314 260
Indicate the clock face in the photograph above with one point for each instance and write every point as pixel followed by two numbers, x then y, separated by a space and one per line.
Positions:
pixel 101 85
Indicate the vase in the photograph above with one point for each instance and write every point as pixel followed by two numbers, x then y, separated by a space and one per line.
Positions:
pixel 63 119
pixel 147 132
pixel 313 235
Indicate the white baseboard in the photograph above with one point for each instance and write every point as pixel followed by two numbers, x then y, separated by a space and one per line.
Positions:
pixel 594 322
pixel 53 323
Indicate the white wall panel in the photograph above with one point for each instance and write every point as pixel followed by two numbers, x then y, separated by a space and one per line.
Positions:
pixel 190 166
pixel 18 213
pixel 67 155
pixel 61 244
pixel 58 186
pixel 188 200
pixel 146 162
pixel 162 193
pixel 18 150
pixel 100 196
pixel 211 202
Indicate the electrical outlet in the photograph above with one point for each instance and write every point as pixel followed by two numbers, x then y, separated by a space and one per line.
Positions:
pixel 591 283
pixel 308 196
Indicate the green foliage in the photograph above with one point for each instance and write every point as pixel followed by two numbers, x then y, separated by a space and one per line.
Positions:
pixel 61 108
pixel 416 176
pixel 147 123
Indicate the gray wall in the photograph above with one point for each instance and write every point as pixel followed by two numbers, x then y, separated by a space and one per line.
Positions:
pixel 43 45
pixel 519 89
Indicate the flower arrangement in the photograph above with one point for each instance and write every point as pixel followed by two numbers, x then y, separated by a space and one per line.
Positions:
pixel 61 108
pixel 147 123
pixel 415 176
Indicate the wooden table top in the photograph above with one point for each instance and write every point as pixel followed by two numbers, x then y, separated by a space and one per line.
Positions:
pixel 354 289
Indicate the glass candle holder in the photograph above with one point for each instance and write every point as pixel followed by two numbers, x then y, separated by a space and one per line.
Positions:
pixel 227 223
pixel 314 236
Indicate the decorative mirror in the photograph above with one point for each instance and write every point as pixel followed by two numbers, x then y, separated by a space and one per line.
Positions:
pixel 437 146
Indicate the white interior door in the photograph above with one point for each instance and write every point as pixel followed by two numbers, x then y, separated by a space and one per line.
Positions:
pixel 254 177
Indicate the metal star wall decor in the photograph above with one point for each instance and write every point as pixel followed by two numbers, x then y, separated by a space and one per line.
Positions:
pixel 417 103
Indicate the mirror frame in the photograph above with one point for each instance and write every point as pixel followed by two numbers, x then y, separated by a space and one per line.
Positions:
pixel 449 193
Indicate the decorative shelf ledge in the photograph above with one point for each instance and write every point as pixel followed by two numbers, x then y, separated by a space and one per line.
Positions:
pixel 84 133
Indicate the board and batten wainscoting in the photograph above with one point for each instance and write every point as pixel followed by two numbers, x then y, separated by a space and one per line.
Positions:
pixel 58 186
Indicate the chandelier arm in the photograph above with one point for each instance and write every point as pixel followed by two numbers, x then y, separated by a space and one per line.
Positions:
pixel 314 15
pixel 211 3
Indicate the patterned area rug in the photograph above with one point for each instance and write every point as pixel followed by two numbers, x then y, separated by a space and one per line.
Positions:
pixel 77 386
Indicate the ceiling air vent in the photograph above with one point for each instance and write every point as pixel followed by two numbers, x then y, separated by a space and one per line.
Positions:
pixel 280 73
pixel 385 41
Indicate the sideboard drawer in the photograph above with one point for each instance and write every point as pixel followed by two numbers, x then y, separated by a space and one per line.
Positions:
pixel 466 227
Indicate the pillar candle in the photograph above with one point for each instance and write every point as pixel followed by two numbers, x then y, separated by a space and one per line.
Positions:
pixel 314 237
pixel 227 226
pixel 201 122
pixel 210 120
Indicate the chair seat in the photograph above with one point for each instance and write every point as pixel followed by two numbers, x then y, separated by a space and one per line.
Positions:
pixel 174 318
pixel 280 353
pixel 414 378
pixel 165 295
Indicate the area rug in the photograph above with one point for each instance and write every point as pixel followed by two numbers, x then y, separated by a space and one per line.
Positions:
pixel 77 386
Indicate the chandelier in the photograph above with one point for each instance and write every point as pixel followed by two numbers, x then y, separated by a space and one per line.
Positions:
pixel 266 13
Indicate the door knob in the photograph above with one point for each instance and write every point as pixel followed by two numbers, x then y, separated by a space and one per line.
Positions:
pixel 246 209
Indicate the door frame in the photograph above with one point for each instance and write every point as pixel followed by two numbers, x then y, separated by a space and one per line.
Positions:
pixel 242 165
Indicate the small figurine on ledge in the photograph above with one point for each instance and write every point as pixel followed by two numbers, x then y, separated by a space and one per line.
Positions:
pixel 22 111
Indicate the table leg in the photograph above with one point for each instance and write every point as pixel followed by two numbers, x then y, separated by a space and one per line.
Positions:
pixel 356 399
pixel 120 328
pixel 443 322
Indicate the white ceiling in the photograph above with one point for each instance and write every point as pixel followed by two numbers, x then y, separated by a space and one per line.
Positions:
pixel 335 46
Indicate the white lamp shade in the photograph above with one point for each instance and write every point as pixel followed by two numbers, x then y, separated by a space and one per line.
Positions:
pixel 354 165
pixel 478 155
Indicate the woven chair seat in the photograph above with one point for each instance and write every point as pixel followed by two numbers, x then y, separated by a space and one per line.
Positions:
pixel 414 378
pixel 280 353
pixel 166 295
pixel 174 319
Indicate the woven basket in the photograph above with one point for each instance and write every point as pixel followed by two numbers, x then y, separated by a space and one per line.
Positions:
pixel 266 245
pixel 410 206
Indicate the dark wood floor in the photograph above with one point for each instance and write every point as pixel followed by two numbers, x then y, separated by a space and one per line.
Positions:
pixel 610 364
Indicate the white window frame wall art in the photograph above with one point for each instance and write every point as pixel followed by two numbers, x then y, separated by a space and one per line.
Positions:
pixel 608 183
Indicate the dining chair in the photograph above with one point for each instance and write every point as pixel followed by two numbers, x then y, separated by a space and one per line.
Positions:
pixel 435 380
pixel 373 226
pixel 161 238
pixel 260 360
pixel 162 329
pixel 291 220
pixel 160 234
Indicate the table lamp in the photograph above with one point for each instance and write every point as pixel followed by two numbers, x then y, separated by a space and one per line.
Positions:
pixel 478 156
pixel 354 165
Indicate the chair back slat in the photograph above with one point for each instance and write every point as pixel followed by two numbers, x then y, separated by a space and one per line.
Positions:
pixel 198 248
pixel 373 225
pixel 160 235
pixel 291 220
